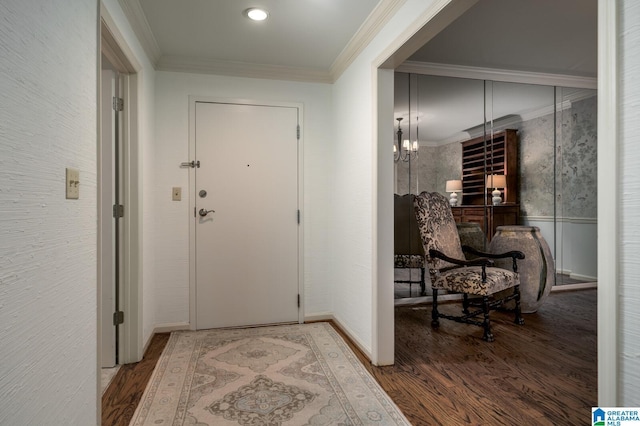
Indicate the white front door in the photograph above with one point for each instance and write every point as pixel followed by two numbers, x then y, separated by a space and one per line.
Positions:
pixel 247 247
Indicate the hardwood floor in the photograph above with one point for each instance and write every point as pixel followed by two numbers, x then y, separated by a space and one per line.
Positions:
pixel 121 398
pixel 542 373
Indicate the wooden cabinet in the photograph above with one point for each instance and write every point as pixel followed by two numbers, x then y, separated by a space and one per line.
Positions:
pixel 488 155
pixel 488 217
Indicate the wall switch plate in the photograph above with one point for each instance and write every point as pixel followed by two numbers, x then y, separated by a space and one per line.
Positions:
pixel 176 193
pixel 72 184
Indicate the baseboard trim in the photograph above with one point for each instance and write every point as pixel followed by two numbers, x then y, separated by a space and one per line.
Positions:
pixel 327 317
pixel 165 328
pixel 585 278
pixel 426 299
pixel 572 287
pixel 168 328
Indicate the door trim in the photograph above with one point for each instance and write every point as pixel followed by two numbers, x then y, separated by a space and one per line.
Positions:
pixel 609 206
pixel 113 44
pixel 193 100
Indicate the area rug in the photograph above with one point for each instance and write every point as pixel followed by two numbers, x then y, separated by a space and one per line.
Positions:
pixel 282 375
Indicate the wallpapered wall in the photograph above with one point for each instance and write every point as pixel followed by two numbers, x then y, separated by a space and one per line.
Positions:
pixel 576 154
pixel 576 189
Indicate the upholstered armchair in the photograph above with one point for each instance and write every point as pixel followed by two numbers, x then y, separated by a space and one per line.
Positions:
pixel 408 251
pixel 476 279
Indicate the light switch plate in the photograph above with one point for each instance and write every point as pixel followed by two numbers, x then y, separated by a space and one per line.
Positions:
pixel 72 184
pixel 176 193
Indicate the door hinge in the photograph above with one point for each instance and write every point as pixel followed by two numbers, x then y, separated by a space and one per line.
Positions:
pixel 118 104
pixel 118 318
pixel 298 216
pixel 118 210
pixel 298 132
pixel 298 301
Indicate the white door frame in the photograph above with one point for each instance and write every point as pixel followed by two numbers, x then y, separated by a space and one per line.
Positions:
pixel 192 198
pixel 113 45
pixel 608 205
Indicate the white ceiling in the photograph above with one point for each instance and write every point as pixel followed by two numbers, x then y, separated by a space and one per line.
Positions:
pixel 544 36
pixel 314 40
pixel 557 37
pixel 301 39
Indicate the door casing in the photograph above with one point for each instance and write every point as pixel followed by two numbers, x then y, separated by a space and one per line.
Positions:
pixel 116 49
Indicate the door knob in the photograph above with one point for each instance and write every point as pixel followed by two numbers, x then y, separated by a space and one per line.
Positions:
pixel 204 212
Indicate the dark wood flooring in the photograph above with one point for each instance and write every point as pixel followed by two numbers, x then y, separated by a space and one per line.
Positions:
pixel 121 398
pixel 542 373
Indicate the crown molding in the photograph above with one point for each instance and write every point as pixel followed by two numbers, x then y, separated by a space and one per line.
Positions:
pixel 240 69
pixel 494 74
pixel 376 20
pixel 138 21
pixel 567 102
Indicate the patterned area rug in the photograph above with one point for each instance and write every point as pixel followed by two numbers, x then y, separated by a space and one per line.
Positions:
pixel 282 375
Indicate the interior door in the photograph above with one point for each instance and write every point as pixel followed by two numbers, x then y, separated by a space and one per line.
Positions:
pixel 246 214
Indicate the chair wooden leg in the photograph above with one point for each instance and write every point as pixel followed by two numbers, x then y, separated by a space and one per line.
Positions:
pixel 435 322
pixel 422 282
pixel 488 336
pixel 518 313
pixel 465 303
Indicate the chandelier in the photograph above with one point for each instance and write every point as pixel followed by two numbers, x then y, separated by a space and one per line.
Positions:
pixel 404 150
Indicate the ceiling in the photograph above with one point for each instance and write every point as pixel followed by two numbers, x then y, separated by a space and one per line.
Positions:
pixel 301 39
pixel 549 38
pixel 543 36
pixel 315 40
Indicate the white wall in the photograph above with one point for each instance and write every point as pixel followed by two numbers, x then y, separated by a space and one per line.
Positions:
pixel 171 147
pixel 575 249
pixel 629 190
pixel 48 332
pixel 353 206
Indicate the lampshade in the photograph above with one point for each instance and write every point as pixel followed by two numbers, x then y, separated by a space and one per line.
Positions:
pixel 496 181
pixel 453 186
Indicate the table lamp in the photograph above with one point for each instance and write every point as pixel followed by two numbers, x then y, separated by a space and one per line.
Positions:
pixel 496 182
pixel 453 186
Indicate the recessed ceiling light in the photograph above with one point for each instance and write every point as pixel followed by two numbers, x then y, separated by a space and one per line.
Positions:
pixel 256 14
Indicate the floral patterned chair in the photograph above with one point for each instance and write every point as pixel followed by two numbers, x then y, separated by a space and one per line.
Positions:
pixel 476 279
pixel 408 251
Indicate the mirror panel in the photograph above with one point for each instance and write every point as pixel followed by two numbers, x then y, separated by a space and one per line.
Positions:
pixel 576 186
pixel 553 186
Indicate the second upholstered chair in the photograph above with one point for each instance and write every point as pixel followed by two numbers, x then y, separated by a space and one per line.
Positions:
pixel 408 251
pixel 476 279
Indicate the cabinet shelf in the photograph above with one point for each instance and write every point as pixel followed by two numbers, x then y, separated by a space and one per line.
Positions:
pixel 484 156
